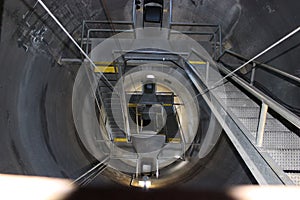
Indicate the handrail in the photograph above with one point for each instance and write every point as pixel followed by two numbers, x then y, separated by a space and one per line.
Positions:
pixel 180 130
pixel 150 52
pixel 193 24
pixel 284 112
pixel 215 34
pixel 91 174
pixel 103 121
pixel 264 66
pixel 294 119
pixel 123 102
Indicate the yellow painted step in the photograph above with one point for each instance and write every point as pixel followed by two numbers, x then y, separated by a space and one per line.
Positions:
pixel 105 67
pixel 120 140
pixel 197 62
pixel 174 140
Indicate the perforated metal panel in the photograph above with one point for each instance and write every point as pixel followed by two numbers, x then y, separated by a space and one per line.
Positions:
pixel 279 142
pixel 249 112
pixel 295 177
pixel 288 159
pixel 282 145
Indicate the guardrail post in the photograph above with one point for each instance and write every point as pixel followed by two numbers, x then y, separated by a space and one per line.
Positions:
pixel 170 18
pixel 220 39
pixel 261 124
pixel 207 73
pixel 252 74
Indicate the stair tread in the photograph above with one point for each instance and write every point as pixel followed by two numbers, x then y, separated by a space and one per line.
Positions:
pixel 271 124
pixel 281 140
pixel 288 159
pixel 245 112
pixel 295 177
pixel 234 102
pixel 231 94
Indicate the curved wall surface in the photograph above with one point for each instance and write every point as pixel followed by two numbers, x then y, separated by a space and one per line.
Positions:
pixel 37 132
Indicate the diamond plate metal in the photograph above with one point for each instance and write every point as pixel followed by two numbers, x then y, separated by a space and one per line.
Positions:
pixel 281 140
pixel 295 177
pixel 245 112
pixel 271 124
pixel 246 103
pixel 288 159
pixel 231 94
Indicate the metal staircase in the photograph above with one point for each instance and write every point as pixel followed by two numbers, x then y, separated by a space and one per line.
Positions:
pixel 112 73
pixel 279 141
pixel 276 151
pixel 269 146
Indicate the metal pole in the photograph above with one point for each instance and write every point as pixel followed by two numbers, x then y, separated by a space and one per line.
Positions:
pixel 170 18
pixel 252 74
pixel 82 34
pixel 91 170
pixel 157 167
pixel 207 73
pixel 137 119
pixel 134 14
pixel 261 125
pixel 215 46
pixel 220 40
pixel 134 18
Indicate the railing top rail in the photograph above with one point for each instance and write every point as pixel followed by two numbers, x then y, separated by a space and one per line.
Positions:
pixel 194 24
pixel 108 22
pixel 263 66
pixel 281 110
pixel 151 52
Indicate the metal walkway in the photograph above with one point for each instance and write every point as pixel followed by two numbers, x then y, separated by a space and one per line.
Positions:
pixel 269 147
pixel 278 145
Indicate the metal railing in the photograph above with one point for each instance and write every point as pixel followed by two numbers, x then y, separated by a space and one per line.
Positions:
pixel 123 101
pixel 213 31
pixel 91 174
pixel 257 64
pixel 103 120
pixel 266 101
pixel 183 140
pixel 87 30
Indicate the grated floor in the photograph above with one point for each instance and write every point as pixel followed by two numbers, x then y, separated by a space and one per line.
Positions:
pixel 279 142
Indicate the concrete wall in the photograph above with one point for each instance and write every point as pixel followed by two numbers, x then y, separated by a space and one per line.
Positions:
pixel 37 134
